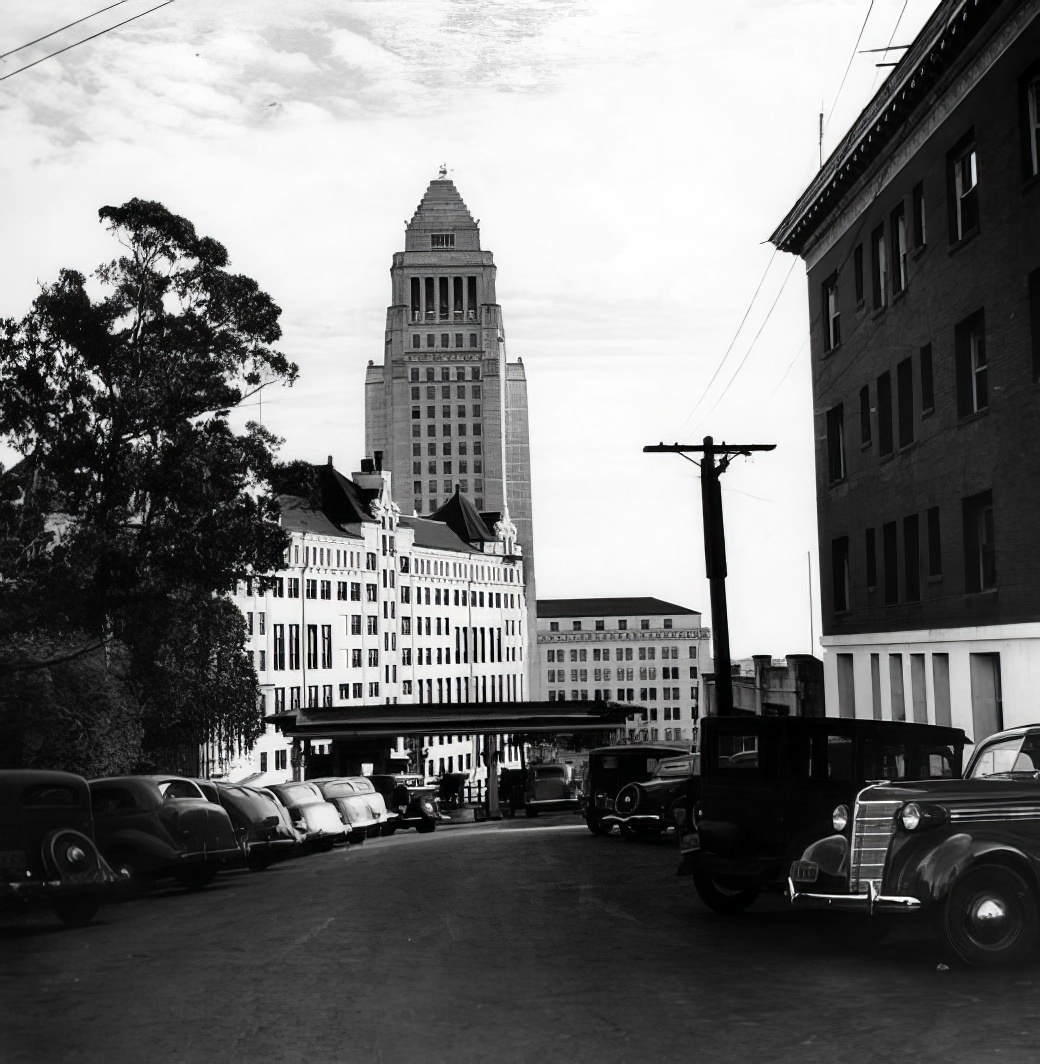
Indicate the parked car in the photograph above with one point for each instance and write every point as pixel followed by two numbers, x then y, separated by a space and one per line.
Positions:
pixel 540 789
pixel 965 852
pixel 361 806
pixel 416 803
pixel 47 851
pixel 648 807
pixel 768 786
pixel 451 789
pixel 318 821
pixel 609 768
pixel 262 826
pixel 148 827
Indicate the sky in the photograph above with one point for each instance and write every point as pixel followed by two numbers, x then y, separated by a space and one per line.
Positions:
pixel 627 162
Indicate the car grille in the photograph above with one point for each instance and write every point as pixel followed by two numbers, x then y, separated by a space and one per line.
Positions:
pixel 872 828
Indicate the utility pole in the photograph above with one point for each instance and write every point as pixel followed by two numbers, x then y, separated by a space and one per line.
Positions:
pixel 715 549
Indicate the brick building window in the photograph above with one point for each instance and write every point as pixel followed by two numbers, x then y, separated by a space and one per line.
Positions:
pixel 972 366
pixel 905 392
pixel 878 268
pixel 836 443
pixel 884 414
pixel 890 551
pixel 927 380
pixel 840 573
pixel 964 190
pixel 1031 122
pixel 831 314
pixel 870 550
pixel 1034 320
pixel 980 569
pixel 899 250
pixel 934 543
pixel 864 416
pixel 857 273
pixel 911 558
pixel 918 215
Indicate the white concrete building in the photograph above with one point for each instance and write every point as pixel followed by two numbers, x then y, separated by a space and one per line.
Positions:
pixel 639 650
pixel 374 609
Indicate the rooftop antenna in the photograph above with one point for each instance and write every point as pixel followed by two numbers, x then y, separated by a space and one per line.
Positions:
pixel 821 135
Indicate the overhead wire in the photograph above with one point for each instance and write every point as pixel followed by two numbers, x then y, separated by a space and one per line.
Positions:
pixel 92 37
pixel 61 29
pixel 848 67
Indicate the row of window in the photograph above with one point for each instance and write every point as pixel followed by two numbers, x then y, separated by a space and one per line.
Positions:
pixel 444 373
pixel 446 340
pixel 444 298
pixel 446 468
pixel 600 626
pixel 446 445
pixel 462 429
pixel 898 404
pixel 893 561
pixel 460 392
pixel 622 674
pixel 620 654
pixel 446 412
pixel 646 694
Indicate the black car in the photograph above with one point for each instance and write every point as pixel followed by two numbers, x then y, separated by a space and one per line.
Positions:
pixel 262 826
pixel 416 803
pixel 609 769
pixel 649 807
pixel 768 786
pixel 964 851
pixel 47 852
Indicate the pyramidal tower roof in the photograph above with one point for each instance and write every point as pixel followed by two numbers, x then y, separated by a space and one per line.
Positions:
pixel 442 214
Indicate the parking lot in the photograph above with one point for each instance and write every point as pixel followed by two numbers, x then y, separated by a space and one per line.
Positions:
pixel 521 940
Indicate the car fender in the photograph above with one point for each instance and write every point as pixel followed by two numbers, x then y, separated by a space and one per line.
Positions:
pixel 829 854
pixel 931 875
pixel 151 851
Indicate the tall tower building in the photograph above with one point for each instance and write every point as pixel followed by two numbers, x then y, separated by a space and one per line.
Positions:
pixel 446 410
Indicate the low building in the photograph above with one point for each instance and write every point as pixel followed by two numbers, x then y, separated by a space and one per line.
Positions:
pixel 770 687
pixel 639 650
pixel 376 609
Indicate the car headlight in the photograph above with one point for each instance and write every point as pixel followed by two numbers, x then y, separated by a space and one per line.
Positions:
pixel 916 816
pixel 840 818
pixel 911 816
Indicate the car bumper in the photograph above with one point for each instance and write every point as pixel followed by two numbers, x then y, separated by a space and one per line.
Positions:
pixel 645 820
pixel 873 901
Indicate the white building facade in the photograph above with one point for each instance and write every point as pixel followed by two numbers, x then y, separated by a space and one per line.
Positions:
pixel 373 609
pixel 639 650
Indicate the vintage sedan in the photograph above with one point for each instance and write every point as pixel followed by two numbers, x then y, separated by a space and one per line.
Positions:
pixel 361 806
pixel 149 827
pixel 609 768
pixel 47 852
pixel 318 821
pixel 544 788
pixel 964 851
pixel 416 803
pixel 648 807
pixel 768 785
pixel 262 826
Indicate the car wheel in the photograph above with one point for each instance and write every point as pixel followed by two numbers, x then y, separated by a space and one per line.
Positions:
pixel 989 917
pixel 196 878
pixel 76 912
pixel 325 844
pixel 507 809
pixel 356 838
pixel 257 862
pixel 387 829
pixel 426 826
pixel 724 896
pixel 595 825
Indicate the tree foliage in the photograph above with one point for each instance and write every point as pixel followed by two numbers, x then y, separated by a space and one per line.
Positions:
pixel 136 500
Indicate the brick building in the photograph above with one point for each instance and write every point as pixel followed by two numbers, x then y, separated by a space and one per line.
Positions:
pixel 921 237
pixel 639 650
pixel 444 408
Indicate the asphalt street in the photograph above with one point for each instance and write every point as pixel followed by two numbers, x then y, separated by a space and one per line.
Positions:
pixel 512 941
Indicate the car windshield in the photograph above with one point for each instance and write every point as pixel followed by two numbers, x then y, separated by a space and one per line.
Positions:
pixel 178 789
pixel 1017 757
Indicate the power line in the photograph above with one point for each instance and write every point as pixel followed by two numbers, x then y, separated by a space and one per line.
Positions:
pixel 852 57
pixel 747 353
pixel 92 37
pixel 722 362
pixel 62 29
